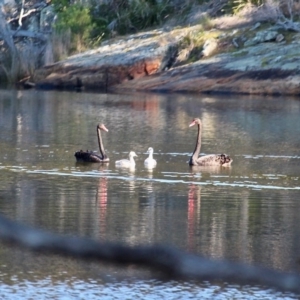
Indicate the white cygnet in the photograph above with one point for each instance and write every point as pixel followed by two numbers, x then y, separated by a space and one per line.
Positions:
pixel 127 163
pixel 150 162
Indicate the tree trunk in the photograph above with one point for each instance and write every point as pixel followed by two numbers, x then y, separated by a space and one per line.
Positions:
pixel 8 39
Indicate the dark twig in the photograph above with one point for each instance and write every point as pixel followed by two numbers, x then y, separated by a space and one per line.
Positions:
pixel 172 262
pixel 29 34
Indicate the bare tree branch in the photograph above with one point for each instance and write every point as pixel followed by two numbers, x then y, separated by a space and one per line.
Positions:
pixel 21 14
pixel 289 4
pixel 174 263
pixel 31 11
pixel 24 33
pixel 288 25
pixel 4 30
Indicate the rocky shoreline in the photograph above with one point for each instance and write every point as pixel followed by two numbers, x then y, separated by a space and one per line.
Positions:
pixel 266 63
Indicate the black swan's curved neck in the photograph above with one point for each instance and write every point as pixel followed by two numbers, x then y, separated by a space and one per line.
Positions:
pixel 101 147
pixel 198 144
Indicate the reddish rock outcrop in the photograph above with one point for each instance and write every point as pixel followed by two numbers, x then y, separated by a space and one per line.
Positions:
pixel 97 77
pixel 124 60
pixel 141 62
pixel 213 80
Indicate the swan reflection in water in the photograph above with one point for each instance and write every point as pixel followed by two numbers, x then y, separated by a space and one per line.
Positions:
pixel 101 201
pixel 149 183
pixel 129 176
pixel 151 199
pixel 213 170
pixel 193 215
pixel 199 174
pixel 101 194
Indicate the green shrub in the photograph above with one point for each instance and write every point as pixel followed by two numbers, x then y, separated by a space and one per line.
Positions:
pixel 87 22
pixel 77 19
pixel 131 15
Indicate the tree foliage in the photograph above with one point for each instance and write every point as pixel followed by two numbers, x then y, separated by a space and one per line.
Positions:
pixel 90 21
pixel 77 19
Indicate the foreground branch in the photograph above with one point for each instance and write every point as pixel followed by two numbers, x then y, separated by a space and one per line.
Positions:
pixel 21 14
pixel 172 262
pixel 288 25
pixel 24 33
pixel 29 34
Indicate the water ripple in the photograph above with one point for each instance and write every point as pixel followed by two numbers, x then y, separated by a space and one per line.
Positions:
pixel 138 289
pixel 253 181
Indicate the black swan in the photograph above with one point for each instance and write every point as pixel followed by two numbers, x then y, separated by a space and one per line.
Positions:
pixel 90 156
pixel 206 160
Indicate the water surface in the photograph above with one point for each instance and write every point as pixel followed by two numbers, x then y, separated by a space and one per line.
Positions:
pixel 248 213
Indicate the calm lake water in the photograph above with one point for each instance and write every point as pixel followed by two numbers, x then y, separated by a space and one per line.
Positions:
pixel 248 213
